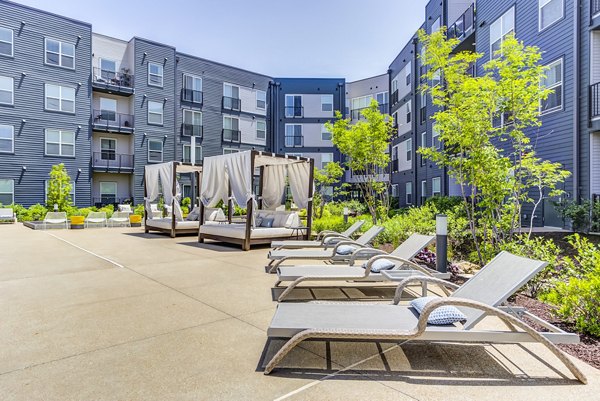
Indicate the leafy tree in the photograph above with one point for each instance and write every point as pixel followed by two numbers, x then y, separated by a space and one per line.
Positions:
pixel 482 122
pixel 365 146
pixel 325 179
pixel 59 188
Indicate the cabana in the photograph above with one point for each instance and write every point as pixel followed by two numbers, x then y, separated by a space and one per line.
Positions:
pixel 230 178
pixel 164 176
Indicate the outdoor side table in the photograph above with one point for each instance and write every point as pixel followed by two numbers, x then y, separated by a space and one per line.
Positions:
pixel 297 230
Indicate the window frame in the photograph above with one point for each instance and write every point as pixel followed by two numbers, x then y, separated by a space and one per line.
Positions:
pixel 12 193
pixel 60 53
pixel 102 151
pixel 437 180
pixel 423 189
pixel 423 145
pixel 228 151
pixel 260 100
pixel 12 42
pixel 162 114
pixel 323 166
pixel 60 143
pixel 162 149
pixel 60 98
pixel 328 96
pixel 194 79
pixel 409 150
pixel 540 6
pixel 285 105
pixel 196 160
pixel 265 130
pixel 193 112
pixel 500 20
pixel 435 135
pixel 12 92
pixel 562 92
pixel 12 139
pixel 407 193
pixel 162 74
pixel 324 131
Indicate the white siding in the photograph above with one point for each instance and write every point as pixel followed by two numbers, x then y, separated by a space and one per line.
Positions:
pixel 403 163
pixel 312 136
pixel 248 128
pixel 312 106
pixel 248 98
pixel 403 125
pixel 111 49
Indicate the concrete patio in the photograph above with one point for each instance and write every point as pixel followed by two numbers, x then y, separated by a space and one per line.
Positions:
pixel 114 314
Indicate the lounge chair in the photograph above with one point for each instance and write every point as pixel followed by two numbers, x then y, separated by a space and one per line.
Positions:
pixel 7 215
pixel 119 219
pixel 401 256
pixel 95 219
pixel 55 220
pixel 125 209
pixel 331 253
pixel 478 297
pixel 326 236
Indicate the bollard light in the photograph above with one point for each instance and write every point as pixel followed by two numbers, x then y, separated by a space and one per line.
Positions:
pixel 441 224
pixel 346 213
pixel 56 207
pixel 441 243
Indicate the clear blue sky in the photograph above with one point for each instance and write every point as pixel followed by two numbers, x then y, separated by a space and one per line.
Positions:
pixel 353 39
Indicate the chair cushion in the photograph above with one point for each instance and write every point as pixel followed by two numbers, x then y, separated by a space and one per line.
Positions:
pixel 345 249
pixel 258 221
pixel 267 222
pixel 379 265
pixel 440 316
pixel 194 214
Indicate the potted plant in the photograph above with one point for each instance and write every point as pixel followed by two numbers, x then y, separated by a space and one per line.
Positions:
pixel 135 219
pixel 77 219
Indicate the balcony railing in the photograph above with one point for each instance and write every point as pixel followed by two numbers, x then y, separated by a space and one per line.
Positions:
pixel 105 200
pixel 111 121
pixel 595 100
pixel 116 80
pixel 294 111
pixel 394 98
pixel 595 7
pixel 294 141
pixel 463 25
pixel 232 103
pixel 231 135
pixel 192 130
pixel 191 96
pixel 110 160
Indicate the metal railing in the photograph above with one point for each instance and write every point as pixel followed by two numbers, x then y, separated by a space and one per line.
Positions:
pixel 294 111
pixel 294 141
pixel 192 96
pixel 106 200
pixel 464 24
pixel 192 130
pixel 595 7
pixel 595 100
pixel 111 160
pixel 113 78
pixel 231 103
pixel 231 135
pixel 110 120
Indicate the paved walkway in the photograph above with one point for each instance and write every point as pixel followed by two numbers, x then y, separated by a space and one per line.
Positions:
pixel 113 314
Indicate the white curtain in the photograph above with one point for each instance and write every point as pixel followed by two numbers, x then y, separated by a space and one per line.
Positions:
pixel 299 174
pixel 214 181
pixel 151 175
pixel 239 170
pixel 273 186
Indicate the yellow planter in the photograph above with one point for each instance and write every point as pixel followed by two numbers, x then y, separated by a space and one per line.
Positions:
pixel 135 218
pixel 77 220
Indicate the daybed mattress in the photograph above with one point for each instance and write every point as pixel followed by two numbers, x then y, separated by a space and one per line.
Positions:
pixel 165 224
pixel 239 231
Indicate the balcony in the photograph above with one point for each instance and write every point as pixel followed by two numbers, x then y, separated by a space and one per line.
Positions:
pixel 112 82
pixel 295 141
pixel 231 135
pixel 595 101
pixel 110 161
pixel 394 98
pixel 192 96
pixel 595 7
pixel 192 130
pixel 231 103
pixel 464 25
pixel 109 121
pixel 294 111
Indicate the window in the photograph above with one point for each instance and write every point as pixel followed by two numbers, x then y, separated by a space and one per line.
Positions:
pixel 436 186
pixel 60 143
pixel 408 187
pixel 435 137
pixel 293 106
pixel 550 11
pixel 293 135
pixel 436 78
pixel 294 154
pixel 108 192
pixel 155 151
pixel 436 25
pixel 155 74
pixel 408 69
pixel 192 122
pixel 231 129
pixel 423 107
pixel 231 97
pixel 71 194
pixel 261 100
pixel 408 150
pixel 60 53
pixel 108 109
pixel 359 103
pixel 6 42
pixel 261 130
pixel 7 139
pixel 553 81
pixel 155 113
pixel 327 103
pixel 499 29
pixel 60 98
pixel 108 149
pixel 6 90
pixel 108 69
pixel 383 100
pixel 192 89
pixel 227 151
pixel 424 145
pixel 423 191
pixel 188 156
pixel 7 192
pixel 395 158
pixel 326 158
pixel 325 135
pixel 408 112
pixel 395 190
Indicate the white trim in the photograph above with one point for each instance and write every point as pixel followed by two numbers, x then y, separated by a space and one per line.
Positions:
pixel 556 85
pixel 285 106
pixel 108 139
pixel 161 75
pixel 257 100
pixel 435 134
pixel 185 74
pixel 324 131
pixel 101 59
pixel 12 182
pixel 265 130
pixel 12 42
pixel 540 6
pixel 406 192
pixel 409 150
pixel 60 53
pixel 12 92
pixel 328 96
pixel 59 143
pixel 155 113
pixel 500 20
pixel 108 182
pixel 439 183
pixel 193 112
pixel 330 156
pixel 60 98
pixel 423 188
pixel 12 140
pixel 161 151
pixel 230 150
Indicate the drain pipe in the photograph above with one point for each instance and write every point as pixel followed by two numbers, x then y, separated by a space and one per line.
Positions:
pixel 576 100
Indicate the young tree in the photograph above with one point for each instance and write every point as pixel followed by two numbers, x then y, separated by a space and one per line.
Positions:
pixel 365 146
pixel 325 179
pixel 59 188
pixel 482 122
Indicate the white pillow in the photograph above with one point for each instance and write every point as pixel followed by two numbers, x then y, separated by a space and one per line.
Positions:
pixel 345 249
pixel 440 316
pixel 379 265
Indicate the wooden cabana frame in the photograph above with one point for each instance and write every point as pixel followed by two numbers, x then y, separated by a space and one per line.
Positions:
pixel 178 168
pixel 247 241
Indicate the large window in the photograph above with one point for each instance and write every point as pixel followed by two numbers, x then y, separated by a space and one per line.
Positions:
pixel 408 150
pixel 6 90
pixel 499 29
pixel 327 103
pixel 192 89
pixel 60 98
pixel 231 97
pixel 408 189
pixel 261 129
pixel 436 186
pixel 60 53
pixel 231 129
pixel 293 135
pixel 261 100
pixel 326 158
pixel 6 42
pixel 423 191
pixel 293 106
pixel 155 74
pixel 550 11
pixel 108 109
pixel 108 192
pixel 192 122
pixel 436 25
pixel 188 155
pixel 108 149
pixel 408 71
pixel 155 151
pixel 408 112
pixel 155 113
pixel 7 139
pixel 435 137
pixel 108 69
pixel 7 192
pixel 60 143
pixel 554 82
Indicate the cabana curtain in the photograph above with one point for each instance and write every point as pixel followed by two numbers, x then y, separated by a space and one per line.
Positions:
pixel 164 171
pixel 274 178
pixel 299 176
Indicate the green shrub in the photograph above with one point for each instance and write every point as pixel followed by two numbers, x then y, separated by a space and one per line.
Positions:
pixel 139 210
pixel 444 203
pixel 108 209
pixel 34 213
pixel 335 223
